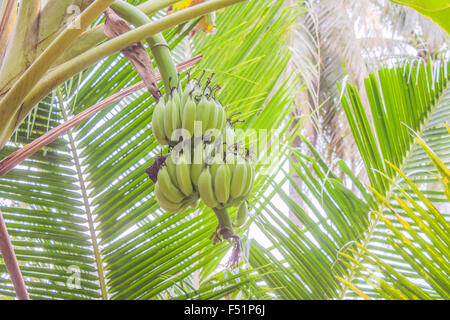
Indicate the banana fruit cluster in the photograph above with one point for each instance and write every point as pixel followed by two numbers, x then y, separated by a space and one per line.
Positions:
pixel 226 184
pixel 185 112
pixel 174 189
pixel 210 164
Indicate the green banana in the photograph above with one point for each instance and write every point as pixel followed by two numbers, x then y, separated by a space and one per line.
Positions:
pixel 171 192
pixel 203 113
pixel 181 111
pixel 189 116
pixel 215 164
pixel 238 180
pixel 205 188
pixel 221 116
pixel 176 96
pixel 164 203
pixel 213 115
pixel 176 120
pixel 171 168
pixel 241 215
pixel 197 162
pixel 222 183
pixel 229 136
pixel 183 172
pixel 196 170
pixel 181 183
pixel 186 93
pixel 250 179
pixel 158 122
pixel 170 112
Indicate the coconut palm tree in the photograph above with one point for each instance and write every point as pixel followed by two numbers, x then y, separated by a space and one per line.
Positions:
pixel 80 210
pixel 390 238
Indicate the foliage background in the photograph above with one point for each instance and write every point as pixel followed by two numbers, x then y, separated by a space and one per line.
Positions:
pixel 85 202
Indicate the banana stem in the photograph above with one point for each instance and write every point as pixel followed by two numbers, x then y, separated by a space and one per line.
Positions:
pixel 226 231
pixel 158 45
pixel 225 224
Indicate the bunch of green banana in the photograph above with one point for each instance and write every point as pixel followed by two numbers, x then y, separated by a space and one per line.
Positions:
pixel 213 170
pixel 224 184
pixel 191 109
pixel 174 189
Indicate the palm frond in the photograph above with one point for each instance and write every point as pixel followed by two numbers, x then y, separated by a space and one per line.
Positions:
pixel 370 237
pixel 94 189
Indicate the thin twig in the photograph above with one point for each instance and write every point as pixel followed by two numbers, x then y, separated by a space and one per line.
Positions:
pixel 18 156
pixel 11 263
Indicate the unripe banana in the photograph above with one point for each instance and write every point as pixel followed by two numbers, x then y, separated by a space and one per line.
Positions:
pixel 176 97
pixel 241 215
pixel 186 93
pixel 205 188
pixel 171 168
pixel 229 136
pixel 203 113
pixel 238 180
pixel 171 192
pixel 189 116
pixel 198 162
pixel 164 203
pixel 170 112
pixel 250 179
pixel 196 170
pixel 221 117
pixel 158 122
pixel 222 182
pixel 183 172
pixel 214 152
pixel 213 115
pixel 197 92
pixel 176 120
pixel 215 164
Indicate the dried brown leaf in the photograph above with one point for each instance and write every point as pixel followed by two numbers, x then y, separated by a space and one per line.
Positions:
pixel 136 53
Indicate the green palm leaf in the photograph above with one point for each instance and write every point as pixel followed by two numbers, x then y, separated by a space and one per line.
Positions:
pixel 368 239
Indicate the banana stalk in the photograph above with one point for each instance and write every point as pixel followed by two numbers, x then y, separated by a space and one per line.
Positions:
pixel 158 45
pixel 225 227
